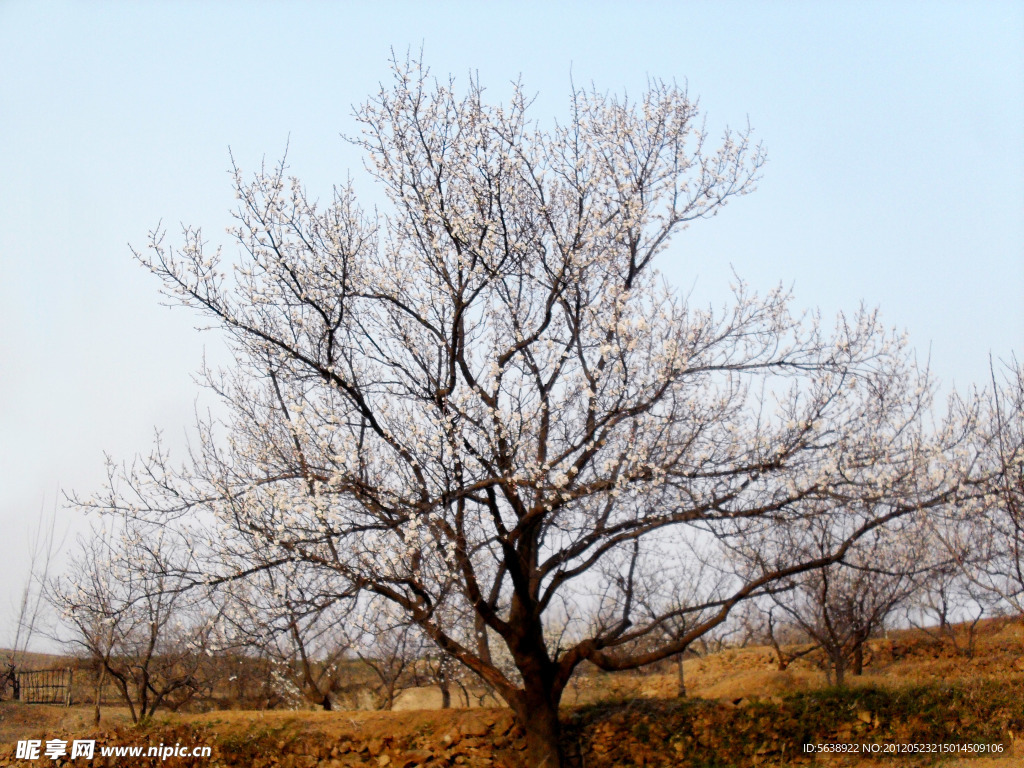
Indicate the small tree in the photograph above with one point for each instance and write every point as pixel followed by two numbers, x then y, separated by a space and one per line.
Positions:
pixel 43 547
pixel 842 605
pixel 292 615
pixel 982 528
pixel 123 600
pixel 392 648
pixel 945 598
pixel 786 638
pixel 688 585
pixel 487 403
pixel 443 672
pixel 1001 448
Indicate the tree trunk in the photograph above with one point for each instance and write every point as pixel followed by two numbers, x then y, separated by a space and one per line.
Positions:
pixel 858 659
pixel 99 693
pixel 537 712
pixel 143 692
pixel 839 669
pixel 446 694
pixel 542 732
pixel 122 686
pixel 681 681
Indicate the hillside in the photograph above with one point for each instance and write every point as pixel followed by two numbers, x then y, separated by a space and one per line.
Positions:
pixel 740 711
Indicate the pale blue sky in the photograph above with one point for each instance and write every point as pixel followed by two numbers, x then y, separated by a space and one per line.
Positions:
pixel 895 133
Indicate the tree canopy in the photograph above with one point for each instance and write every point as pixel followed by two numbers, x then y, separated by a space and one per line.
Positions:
pixel 486 406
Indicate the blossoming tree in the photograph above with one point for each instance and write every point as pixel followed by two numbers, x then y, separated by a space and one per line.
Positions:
pixel 123 600
pixel 984 530
pixel 486 407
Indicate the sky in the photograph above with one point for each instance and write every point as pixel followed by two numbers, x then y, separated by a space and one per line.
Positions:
pixel 894 132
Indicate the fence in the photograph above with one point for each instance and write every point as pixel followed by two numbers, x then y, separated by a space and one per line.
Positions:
pixel 44 686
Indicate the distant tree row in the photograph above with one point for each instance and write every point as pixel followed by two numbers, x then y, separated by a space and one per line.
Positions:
pixel 276 639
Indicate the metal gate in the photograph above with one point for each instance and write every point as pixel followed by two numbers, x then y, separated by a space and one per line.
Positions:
pixel 44 686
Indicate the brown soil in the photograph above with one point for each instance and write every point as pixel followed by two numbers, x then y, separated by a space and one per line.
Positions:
pixel 420 735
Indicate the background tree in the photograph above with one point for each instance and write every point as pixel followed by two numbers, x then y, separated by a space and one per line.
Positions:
pixel 292 615
pixel 444 672
pixel 948 605
pixel 1001 446
pixel 29 618
pixel 123 599
pixel 687 585
pixel 486 402
pixel 786 638
pixel 842 605
pixel 391 647
pixel 982 529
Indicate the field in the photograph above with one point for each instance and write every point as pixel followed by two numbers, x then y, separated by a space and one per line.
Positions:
pixel 740 710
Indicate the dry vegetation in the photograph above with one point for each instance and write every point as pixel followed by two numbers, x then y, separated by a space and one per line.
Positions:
pixel 741 711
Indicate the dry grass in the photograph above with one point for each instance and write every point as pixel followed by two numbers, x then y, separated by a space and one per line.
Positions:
pixel 735 675
pixel 902 658
pixel 18 721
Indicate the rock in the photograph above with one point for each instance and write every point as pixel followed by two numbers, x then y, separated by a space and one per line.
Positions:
pixel 474 728
pixel 452 737
pixel 416 757
pixel 384 760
